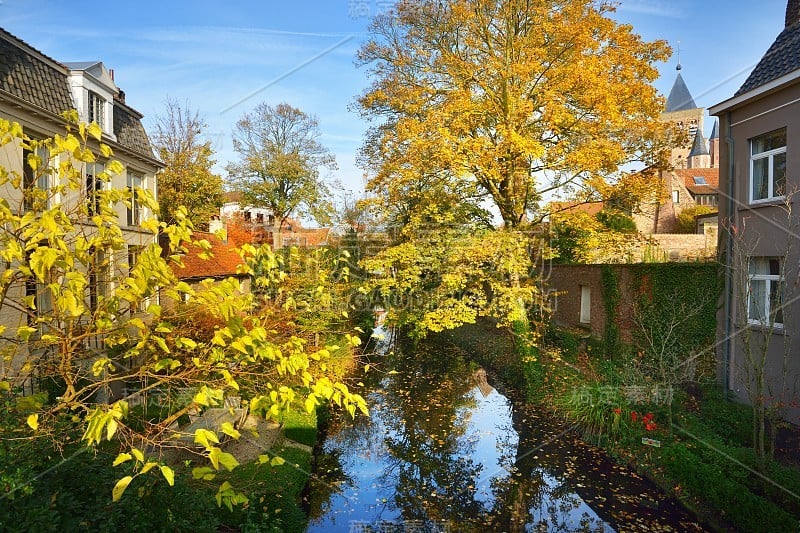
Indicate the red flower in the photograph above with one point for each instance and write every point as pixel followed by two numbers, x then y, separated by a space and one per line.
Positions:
pixel 650 426
pixel 647 418
pixel 617 411
pixel 633 415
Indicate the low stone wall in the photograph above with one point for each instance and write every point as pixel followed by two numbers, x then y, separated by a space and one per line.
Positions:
pixel 686 246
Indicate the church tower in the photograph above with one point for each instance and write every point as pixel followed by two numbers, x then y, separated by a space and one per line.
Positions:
pixel 699 156
pixel 682 110
pixel 713 145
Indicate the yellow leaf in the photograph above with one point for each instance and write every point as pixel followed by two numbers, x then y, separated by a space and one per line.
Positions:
pixel 120 487
pixel 168 474
pixel 95 130
pixel 33 421
pixel 121 458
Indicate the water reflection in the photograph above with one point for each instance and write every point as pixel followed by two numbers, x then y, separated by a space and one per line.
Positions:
pixel 443 450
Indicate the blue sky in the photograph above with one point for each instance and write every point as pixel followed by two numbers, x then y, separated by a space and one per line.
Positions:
pixel 226 57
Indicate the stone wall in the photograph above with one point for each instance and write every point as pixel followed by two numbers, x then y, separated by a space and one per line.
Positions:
pixel 687 246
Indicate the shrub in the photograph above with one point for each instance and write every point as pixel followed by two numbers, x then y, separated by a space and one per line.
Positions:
pixel 616 221
pixel 686 222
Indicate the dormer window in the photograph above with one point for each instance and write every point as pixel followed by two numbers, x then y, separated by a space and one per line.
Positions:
pixel 699 180
pixel 97 106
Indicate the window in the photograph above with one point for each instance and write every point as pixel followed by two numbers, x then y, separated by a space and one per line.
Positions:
pixel 36 182
pixel 39 293
pixel 134 252
pixel 765 290
pixel 97 109
pixel 586 304
pixel 699 180
pixel 93 185
pixel 98 278
pixel 135 209
pixel 768 166
pixel 706 199
pixel 676 197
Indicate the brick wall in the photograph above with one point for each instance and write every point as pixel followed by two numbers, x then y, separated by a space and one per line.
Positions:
pixel 564 283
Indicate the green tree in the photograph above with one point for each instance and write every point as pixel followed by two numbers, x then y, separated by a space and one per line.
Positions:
pixel 514 97
pixel 451 275
pixel 280 162
pixel 607 237
pixel 91 325
pixel 187 179
pixel 686 218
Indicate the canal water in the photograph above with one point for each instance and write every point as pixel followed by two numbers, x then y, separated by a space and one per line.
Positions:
pixel 444 450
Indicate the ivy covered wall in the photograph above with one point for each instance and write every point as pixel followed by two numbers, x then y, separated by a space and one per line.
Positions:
pixel 626 297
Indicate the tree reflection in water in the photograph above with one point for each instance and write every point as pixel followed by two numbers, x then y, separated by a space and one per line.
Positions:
pixel 442 446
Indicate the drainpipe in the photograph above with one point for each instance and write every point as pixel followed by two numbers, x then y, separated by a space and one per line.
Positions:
pixel 728 328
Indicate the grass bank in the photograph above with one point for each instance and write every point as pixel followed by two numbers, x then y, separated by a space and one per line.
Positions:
pixel 704 457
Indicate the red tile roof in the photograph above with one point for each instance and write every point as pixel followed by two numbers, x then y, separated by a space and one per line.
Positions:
pixel 711 175
pixel 590 208
pixel 222 265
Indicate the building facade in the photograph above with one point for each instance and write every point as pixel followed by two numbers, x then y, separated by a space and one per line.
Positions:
pixel 759 186
pixel 35 92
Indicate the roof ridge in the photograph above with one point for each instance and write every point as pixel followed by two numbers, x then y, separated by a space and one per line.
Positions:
pixel 781 58
pixel 32 50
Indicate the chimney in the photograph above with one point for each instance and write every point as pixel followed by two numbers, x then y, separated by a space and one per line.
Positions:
pixel 792 12
pixel 111 70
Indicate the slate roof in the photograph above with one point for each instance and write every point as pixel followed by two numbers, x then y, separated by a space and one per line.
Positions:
pixel 680 99
pixel 711 176
pixel 715 130
pixel 43 82
pixel 782 58
pixel 129 130
pixel 222 265
pixel 699 145
pixel 33 77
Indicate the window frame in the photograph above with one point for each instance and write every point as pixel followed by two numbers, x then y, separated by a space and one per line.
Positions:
pixel 92 185
pixel 98 279
pixel 770 156
pixel 768 319
pixel 135 210
pixel 585 314
pixel 38 179
pixel 96 109
pixel 134 253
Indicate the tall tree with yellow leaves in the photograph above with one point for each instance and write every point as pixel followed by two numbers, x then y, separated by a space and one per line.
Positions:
pixel 187 179
pixel 517 97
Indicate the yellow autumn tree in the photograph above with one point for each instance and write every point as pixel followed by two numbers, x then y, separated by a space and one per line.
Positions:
pixel 76 313
pixel 516 97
